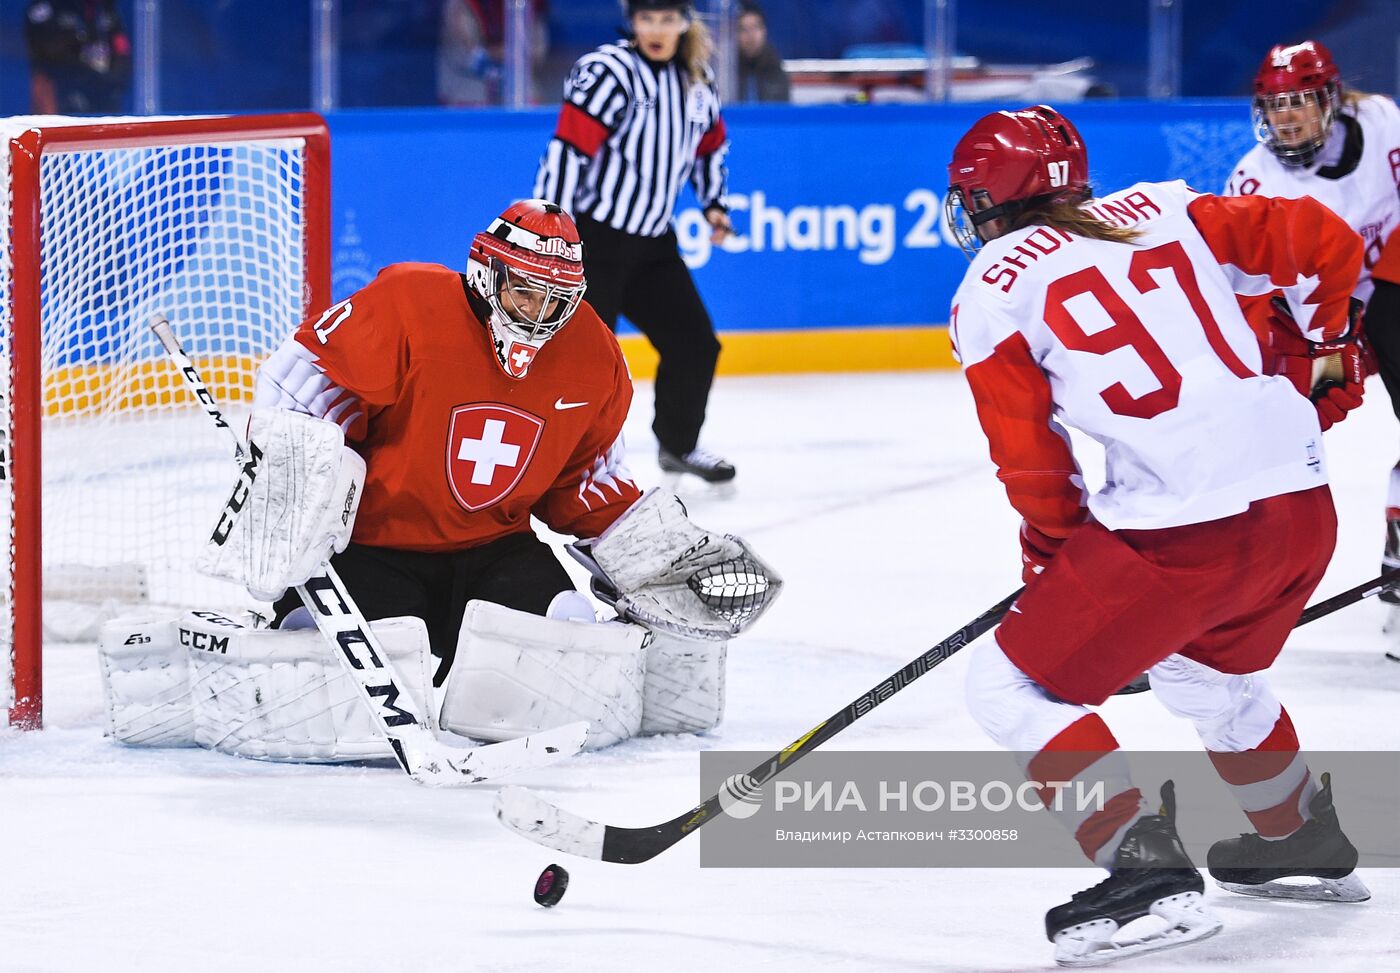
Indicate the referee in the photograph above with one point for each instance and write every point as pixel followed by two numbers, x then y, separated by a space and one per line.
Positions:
pixel 640 116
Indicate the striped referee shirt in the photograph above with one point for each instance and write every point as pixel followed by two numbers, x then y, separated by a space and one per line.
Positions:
pixel 629 135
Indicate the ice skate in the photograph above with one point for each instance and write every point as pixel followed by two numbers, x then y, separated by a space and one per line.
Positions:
pixel 1318 853
pixel 1152 876
pixel 696 472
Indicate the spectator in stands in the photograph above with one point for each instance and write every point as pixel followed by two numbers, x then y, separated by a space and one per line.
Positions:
pixel 471 50
pixel 761 74
pixel 79 57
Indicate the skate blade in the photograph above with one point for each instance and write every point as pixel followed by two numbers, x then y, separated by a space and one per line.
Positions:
pixel 1347 889
pixel 1092 943
pixel 688 486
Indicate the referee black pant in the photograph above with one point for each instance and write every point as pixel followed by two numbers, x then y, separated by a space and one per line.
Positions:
pixel 645 279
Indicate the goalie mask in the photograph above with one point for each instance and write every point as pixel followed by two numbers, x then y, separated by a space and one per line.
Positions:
pixel 1296 96
pixel 528 266
pixel 1007 162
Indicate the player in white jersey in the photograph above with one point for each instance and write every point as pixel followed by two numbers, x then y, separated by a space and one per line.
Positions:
pixel 1118 316
pixel 1342 148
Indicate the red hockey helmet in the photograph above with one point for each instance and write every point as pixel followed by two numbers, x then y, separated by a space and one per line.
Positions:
pixel 633 7
pixel 1008 161
pixel 528 265
pixel 1296 96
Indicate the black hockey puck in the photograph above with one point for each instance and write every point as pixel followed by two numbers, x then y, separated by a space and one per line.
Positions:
pixel 550 886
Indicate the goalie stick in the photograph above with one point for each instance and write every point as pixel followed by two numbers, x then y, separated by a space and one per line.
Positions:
pixel 532 817
pixel 421 755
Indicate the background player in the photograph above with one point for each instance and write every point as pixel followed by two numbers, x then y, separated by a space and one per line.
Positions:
pixel 1341 147
pixel 1118 316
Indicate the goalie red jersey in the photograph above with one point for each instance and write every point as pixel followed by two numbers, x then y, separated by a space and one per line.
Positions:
pixel 458 452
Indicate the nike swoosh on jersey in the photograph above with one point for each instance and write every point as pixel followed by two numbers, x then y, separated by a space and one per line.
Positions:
pixel 561 405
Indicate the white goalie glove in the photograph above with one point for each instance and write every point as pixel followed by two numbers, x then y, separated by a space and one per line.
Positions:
pixel 293 506
pixel 658 568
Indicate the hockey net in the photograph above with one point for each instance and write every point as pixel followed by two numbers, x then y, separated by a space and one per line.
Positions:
pixel 110 474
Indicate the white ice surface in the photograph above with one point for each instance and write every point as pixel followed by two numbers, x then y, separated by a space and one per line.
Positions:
pixel 873 495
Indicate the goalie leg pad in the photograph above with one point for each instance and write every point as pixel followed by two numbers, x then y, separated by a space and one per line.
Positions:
pixel 145 681
pixel 273 694
pixel 517 673
pixel 684 687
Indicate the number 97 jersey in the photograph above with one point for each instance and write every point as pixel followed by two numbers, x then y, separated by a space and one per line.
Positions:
pixel 1142 346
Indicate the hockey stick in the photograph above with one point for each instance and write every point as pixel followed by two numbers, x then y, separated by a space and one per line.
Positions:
pixel 527 814
pixel 532 817
pixel 1349 597
pixel 1372 587
pixel 421 755
pixel 1310 614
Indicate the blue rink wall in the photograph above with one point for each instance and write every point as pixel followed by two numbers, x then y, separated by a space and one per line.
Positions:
pixel 841 260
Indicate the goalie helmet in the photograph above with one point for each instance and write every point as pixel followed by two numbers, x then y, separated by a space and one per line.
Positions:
pixel 1297 93
pixel 1009 161
pixel 528 266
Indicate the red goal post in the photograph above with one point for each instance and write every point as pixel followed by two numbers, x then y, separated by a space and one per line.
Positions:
pixel 222 224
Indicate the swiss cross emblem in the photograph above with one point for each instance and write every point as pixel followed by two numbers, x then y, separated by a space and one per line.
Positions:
pixel 488 450
pixel 519 357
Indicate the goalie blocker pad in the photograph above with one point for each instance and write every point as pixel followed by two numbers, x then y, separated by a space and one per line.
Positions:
pixel 293 506
pixel 658 568
pixel 203 679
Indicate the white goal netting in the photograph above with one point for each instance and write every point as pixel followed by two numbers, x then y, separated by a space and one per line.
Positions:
pixel 212 235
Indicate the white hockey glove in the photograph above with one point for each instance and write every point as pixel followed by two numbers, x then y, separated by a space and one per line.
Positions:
pixel 658 568
pixel 293 506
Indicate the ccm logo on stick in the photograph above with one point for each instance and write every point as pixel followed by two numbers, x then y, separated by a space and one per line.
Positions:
pixel 241 489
